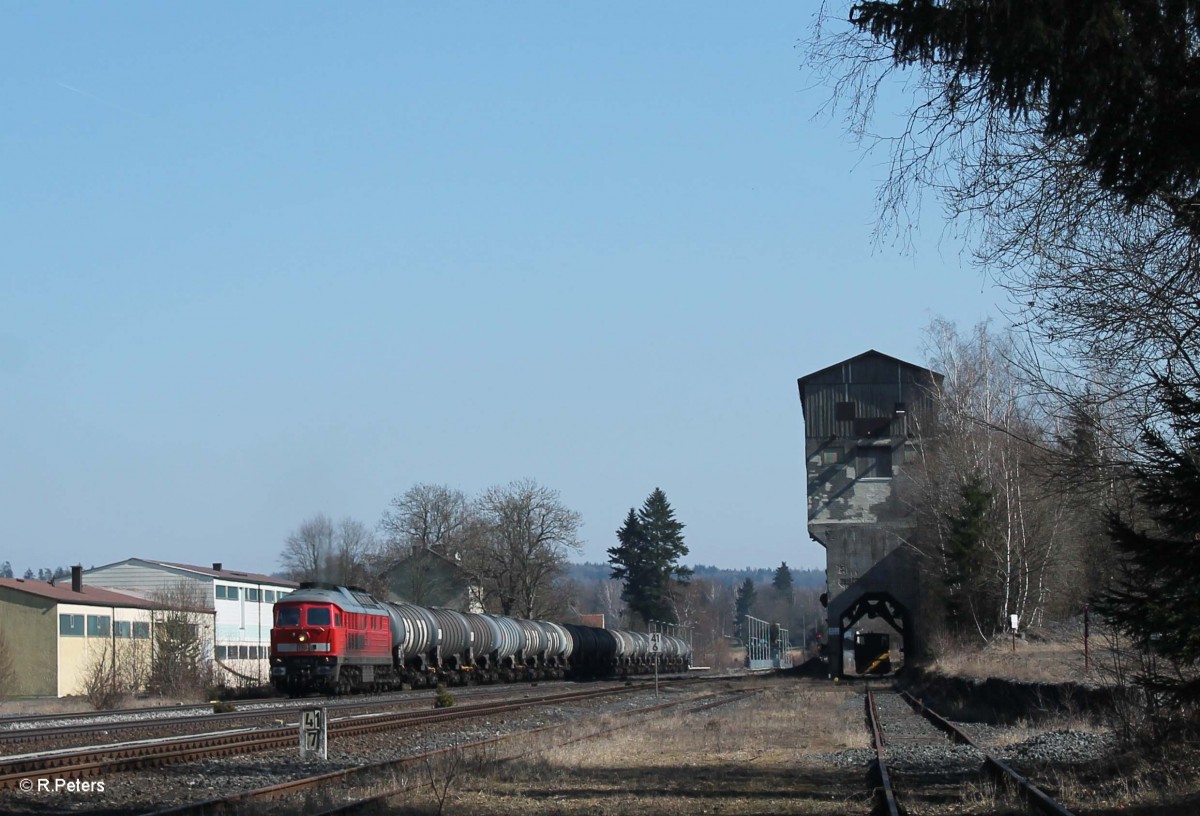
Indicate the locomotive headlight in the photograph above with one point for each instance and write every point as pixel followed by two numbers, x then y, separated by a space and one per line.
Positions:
pixel 303 638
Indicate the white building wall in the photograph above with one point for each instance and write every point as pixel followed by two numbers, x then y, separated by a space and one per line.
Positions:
pixel 243 612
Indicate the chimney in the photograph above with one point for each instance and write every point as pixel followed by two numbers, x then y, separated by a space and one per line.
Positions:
pixel 77 578
pixel 216 566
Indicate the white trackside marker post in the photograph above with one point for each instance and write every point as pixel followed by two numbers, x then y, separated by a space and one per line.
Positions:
pixel 314 733
pixel 655 651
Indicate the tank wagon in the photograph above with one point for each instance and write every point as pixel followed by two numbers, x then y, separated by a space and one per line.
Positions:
pixel 336 639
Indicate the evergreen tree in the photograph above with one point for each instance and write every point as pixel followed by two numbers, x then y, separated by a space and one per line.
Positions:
pixel 1156 598
pixel 782 582
pixel 650 544
pixel 966 534
pixel 28 576
pixel 745 602
pixel 1112 75
pixel 6 570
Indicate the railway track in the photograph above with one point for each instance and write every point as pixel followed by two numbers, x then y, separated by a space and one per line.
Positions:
pixel 901 725
pixel 349 783
pixel 202 719
pixel 150 753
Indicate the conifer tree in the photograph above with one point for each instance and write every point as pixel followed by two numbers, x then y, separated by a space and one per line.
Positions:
pixel 967 532
pixel 745 602
pixel 646 558
pixel 1156 597
pixel 782 582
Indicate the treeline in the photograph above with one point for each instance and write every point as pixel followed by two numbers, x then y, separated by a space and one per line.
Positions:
pixel 809 578
pixel 43 574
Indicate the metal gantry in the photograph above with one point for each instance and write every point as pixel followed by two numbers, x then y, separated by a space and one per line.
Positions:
pixel 766 645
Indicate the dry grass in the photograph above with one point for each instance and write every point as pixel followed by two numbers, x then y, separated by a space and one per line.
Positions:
pixel 759 756
pixel 1033 661
pixel 1165 786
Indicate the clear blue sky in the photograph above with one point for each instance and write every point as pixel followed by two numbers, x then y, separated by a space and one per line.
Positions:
pixel 263 261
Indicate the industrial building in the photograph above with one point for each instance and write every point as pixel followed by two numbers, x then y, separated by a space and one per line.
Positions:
pixel 241 601
pixel 863 423
pixel 57 634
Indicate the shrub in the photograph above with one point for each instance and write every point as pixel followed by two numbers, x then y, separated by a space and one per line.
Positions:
pixel 444 698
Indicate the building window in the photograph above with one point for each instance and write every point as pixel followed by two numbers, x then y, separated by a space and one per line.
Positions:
pixel 70 625
pixel 231 593
pixel 243 653
pixel 220 591
pixel 98 625
pixel 141 630
pixel 831 456
pixel 270 596
pixel 255 654
pixel 873 463
pixel 252 595
pixel 220 653
pixel 123 629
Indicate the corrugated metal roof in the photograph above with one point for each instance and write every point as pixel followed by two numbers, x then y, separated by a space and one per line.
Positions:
pixel 865 354
pixel 226 574
pixel 230 575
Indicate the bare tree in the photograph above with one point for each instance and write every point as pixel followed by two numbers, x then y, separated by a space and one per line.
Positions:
pixel 320 550
pixel 527 535
pixel 427 517
pixel 1102 279
pixel 116 668
pixel 183 639
pixel 306 550
pixel 354 549
pixel 987 443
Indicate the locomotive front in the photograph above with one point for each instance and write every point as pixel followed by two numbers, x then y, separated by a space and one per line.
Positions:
pixel 305 642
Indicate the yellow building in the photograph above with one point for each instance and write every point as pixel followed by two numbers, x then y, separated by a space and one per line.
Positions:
pixel 57 635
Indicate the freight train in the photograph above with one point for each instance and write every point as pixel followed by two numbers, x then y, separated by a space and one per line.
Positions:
pixel 337 640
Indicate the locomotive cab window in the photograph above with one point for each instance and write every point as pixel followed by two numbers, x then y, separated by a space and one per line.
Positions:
pixel 338 619
pixel 317 617
pixel 287 616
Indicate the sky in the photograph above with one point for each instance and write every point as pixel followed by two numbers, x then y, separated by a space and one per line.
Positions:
pixel 262 261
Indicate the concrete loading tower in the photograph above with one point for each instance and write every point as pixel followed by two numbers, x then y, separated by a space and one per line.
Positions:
pixel 862 427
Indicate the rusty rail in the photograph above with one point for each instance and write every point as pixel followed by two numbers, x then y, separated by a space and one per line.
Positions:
pixel 1037 798
pixel 885 779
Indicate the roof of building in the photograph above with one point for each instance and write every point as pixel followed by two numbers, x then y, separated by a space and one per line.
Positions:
pixel 212 572
pixel 62 593
pixel 865 354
